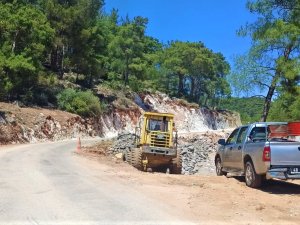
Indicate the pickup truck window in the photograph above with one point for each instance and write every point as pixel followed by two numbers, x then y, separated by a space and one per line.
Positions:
pixel 242 135
pixel 233 136
pixel 258 134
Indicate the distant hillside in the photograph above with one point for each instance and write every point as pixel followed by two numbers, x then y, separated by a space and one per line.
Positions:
pixel 250 109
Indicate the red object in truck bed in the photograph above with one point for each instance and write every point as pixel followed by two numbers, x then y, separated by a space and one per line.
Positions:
pixel 278 131
pixel 294 128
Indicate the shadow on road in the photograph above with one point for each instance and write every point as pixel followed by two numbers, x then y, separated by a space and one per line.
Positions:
pixel 276 186
pixel 280 187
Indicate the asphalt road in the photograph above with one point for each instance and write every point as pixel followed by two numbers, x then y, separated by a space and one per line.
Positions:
pixel 49 184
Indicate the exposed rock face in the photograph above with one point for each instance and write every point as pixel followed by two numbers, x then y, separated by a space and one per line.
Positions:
pixel 19 125
pixel 190 118
pixel 22 125
pixel 119 121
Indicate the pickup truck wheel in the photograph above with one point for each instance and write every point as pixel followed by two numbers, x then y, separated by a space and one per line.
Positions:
pixel 219 168
pixel 251 177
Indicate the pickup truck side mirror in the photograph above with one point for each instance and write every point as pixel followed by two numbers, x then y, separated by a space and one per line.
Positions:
pixel 221 142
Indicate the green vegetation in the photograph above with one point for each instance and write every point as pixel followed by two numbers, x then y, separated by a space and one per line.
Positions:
pixel 286 107
pixel 48 46
pixel 199 73
pixel 45 43
pixel 249 108
pixel 272 63
pixel 83 103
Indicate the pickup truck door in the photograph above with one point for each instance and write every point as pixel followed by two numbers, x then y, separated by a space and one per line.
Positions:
pixel 236 159
pixel 229 146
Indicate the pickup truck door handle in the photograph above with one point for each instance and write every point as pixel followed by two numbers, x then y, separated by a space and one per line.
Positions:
pixel 240 147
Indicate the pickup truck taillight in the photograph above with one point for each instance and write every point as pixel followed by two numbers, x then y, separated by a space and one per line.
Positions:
pixel 267 154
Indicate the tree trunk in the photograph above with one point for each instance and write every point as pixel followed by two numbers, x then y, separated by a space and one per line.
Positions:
pixel 91 80
pixel 272 87
pixel 205 100
pixel 54 59
pixel 180 85
pixel 267 104
pixel 57 56
pixel 192 91
pixel 14 42
pixel 268 98
pixel 126 74
pixel 61 66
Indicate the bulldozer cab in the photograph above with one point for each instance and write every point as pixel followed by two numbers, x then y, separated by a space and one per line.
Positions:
pixel 157 130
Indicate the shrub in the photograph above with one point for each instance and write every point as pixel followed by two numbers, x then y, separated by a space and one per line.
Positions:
pixel 83 103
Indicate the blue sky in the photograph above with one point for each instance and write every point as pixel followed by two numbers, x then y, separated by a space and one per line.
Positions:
pixel 214 22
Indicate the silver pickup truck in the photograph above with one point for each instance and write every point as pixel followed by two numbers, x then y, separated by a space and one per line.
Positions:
pixel 249 152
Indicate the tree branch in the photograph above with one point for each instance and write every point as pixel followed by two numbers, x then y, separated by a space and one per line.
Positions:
pixel 261 83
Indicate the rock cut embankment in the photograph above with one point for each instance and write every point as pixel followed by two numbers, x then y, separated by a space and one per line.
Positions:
pixel 22 125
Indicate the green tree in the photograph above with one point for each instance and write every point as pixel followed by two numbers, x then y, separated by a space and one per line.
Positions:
pixel 25 36
pixel 273 59
pixel 175 61
pixel 76 34
pixel 127 50
pixel 286 107
pixel 199 72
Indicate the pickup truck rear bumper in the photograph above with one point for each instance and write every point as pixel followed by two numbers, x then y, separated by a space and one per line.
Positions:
pixel 281 173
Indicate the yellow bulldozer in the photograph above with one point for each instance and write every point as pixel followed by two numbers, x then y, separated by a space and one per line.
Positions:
pixel 156 144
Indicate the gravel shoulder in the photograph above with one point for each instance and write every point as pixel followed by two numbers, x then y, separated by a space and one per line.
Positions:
pixel 208 199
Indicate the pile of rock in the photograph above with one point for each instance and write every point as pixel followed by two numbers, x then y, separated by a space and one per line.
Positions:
pixel 123 142
pixel 198 152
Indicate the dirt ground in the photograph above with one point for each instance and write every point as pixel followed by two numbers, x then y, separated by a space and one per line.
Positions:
pixel 28 116
pixel 208 199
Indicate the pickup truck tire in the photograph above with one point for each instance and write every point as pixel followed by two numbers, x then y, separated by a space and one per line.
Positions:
pixel 219 167
pixel 251 177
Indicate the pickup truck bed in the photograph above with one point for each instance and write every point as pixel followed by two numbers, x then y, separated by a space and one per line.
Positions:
pixel 285 153
pixel 250 153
